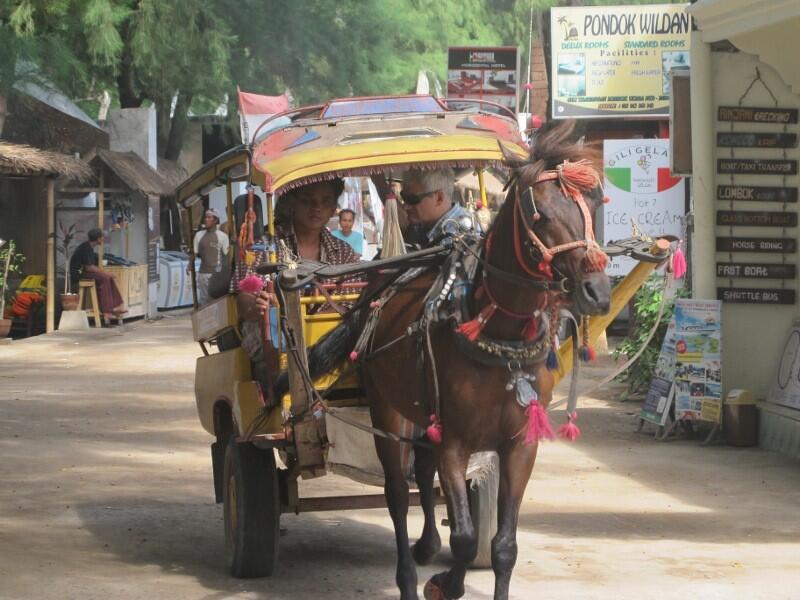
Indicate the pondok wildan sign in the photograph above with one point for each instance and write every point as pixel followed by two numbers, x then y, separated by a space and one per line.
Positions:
pixel 616 60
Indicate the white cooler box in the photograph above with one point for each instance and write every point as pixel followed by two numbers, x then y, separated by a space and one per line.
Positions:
pixel 175 289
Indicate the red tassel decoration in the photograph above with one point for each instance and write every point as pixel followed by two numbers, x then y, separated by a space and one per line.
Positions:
pixel 596 259
pixel 538 424
pixel 577 177
pixel 678 263
pixel 531 329
pixel 586 352
pixel 569 430
pixel 545 269
pixel 472 329
pixel 434 430
pixel 353 356
pixel 252 284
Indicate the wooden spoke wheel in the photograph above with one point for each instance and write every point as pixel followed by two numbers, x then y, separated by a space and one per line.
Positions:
pixel 252 510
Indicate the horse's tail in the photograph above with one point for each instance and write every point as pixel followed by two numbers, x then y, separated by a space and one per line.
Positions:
pixel 328 353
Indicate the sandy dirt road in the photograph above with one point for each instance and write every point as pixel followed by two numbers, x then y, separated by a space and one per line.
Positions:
pixel 105 492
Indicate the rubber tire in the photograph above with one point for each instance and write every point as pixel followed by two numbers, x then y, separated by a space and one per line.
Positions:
pixel 483 509
pixel 251 532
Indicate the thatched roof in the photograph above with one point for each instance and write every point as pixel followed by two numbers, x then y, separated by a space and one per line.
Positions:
pixel 22 160
pixel 134 172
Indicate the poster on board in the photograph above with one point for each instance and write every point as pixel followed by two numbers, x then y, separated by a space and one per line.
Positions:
pixel 785 388
pixel 484 73
pixel 698 360
pixel 616 60
pixel 638 182
pixel 658 400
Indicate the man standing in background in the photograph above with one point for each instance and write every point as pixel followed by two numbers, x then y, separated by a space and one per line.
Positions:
pixel 210 245
pixel 347 219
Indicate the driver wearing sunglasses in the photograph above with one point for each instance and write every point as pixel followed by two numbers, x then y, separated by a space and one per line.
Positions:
pixel 427 198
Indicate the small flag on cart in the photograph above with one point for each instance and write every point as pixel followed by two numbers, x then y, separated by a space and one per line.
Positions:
pixel 254 109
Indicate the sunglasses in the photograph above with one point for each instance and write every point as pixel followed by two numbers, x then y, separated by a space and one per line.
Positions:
pixel 414 199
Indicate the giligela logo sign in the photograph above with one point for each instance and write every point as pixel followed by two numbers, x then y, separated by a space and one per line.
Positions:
pixel 641 189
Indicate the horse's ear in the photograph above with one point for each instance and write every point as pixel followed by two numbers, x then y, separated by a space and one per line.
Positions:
pixel 511 158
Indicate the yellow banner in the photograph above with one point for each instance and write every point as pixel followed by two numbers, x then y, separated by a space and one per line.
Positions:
pixel 616 60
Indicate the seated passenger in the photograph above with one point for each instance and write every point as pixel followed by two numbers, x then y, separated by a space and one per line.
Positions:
pixel 302 216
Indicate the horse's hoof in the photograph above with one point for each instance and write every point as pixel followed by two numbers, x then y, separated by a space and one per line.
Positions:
pixel 425 552
pixel 431 591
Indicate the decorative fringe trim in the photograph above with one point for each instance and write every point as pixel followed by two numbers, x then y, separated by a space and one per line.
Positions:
pixel 252 284
pixel 472 329
pixel 678 263
pixel 538 424
pixel 434 430
pixel 569 430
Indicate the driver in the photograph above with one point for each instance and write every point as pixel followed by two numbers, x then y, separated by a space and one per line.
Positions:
pixel 428 202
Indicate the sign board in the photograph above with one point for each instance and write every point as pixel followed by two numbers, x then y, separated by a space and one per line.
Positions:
pixel 698 360
pixel 749 114
pixel 616 60
pixel 772 245
pixel 655 408
pixel 785 388
pixel 756 166
pixel 638 181
pixel 756 270
pixel 756 193
pixel 735 139
pixel 484 73
pixel 756 296
pixel 747 218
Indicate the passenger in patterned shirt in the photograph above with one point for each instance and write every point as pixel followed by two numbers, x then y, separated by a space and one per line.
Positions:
pixel 303 234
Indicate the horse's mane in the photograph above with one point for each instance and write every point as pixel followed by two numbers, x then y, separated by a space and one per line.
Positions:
pixel 554 143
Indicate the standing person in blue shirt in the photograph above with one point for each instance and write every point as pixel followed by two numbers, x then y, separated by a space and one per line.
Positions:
pixel 355 239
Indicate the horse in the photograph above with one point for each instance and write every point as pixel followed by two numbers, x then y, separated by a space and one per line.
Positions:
pixel 538 255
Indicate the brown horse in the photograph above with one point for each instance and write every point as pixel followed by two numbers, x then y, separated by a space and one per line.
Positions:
pixel 541 234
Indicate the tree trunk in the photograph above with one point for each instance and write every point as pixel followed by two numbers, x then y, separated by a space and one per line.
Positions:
pixel 177 130
pixel 3 109
pixel 128 98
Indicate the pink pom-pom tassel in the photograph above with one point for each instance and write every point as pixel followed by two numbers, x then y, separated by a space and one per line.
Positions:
pixel 569 430
pixel 678 264
pixel 252 284
pixel 354 356
pixel 538 424
pixel 434 430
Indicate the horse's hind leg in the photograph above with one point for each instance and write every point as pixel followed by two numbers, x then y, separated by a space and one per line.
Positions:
pixel 463 539
pixel 429 542
pixel 516 464
pixel 396 491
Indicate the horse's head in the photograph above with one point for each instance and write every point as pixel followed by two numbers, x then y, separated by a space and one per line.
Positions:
pixel 555 197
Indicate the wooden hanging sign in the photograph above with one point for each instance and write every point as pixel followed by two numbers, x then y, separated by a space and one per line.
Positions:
pixel 756 166
pixel 756 193
pixel 756 296
pixel 749 218
pixel 736 139
pixel 749 114
pixel 756 270
pixel 765 245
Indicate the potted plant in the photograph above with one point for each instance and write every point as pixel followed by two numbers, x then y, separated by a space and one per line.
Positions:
pixel 69 300
pixel 10 262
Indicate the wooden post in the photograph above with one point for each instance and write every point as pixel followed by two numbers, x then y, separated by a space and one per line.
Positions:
pixel 101 209
pixel 51 256
pixel 271 230
pixel 483 188
pixel 231 224
pixel 191 256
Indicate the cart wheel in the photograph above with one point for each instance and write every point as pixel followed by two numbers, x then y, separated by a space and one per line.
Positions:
pixel 252 510
pixel 483 509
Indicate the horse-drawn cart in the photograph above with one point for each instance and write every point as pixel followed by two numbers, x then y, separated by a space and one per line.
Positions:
pixel 265 444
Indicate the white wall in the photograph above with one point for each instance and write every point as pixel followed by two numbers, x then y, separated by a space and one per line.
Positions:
pixel 753 335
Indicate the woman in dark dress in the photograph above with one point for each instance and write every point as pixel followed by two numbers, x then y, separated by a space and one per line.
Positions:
pixel 83 265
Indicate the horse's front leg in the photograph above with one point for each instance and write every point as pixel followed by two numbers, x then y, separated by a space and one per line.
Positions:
pixel 516 464
pixel 463 539
pixel 429 542
pixel 395 490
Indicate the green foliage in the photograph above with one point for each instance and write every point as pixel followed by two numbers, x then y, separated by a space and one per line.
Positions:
pixel 9 268
pixel 646 302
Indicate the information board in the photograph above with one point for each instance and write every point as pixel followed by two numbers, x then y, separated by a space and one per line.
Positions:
pixel 638 182
pixel 484 73
pixel 785 388
pixel 655 408
pixel 698 360
pixel 616 60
